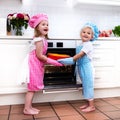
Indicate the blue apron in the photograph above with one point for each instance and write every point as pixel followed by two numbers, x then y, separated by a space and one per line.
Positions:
pixel 85 71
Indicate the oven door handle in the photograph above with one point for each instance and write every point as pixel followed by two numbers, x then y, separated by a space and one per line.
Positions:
pixel 49 91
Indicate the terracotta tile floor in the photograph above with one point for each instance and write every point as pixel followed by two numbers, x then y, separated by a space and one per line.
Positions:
pixel 106 109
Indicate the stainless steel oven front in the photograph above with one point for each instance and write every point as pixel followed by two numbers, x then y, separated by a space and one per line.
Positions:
pixel 64 76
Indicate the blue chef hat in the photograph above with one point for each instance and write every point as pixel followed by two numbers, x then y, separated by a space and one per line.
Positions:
pixel 94 29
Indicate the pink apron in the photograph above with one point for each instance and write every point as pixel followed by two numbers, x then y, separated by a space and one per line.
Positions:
pixel 36 70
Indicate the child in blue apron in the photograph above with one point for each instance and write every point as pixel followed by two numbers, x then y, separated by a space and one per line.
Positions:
pixel 83 59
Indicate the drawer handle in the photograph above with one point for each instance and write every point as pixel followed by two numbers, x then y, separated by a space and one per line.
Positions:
pixel 97 78
pixel 96 44
pixel 58 91
pixel 29 42
pixel 96 58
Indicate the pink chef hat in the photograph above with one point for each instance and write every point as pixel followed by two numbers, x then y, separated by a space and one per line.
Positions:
pixel 36 19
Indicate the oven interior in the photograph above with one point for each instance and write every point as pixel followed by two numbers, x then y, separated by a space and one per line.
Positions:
pixel 60 76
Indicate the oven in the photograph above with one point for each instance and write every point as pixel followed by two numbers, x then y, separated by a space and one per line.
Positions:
pixel 56 77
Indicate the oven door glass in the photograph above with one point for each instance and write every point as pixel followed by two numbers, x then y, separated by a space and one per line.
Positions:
pixel 63 75
pixel 59 75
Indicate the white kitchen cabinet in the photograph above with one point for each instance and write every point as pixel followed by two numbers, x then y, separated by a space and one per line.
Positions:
pixel 106 62
pixel 94 2
pixel 12 54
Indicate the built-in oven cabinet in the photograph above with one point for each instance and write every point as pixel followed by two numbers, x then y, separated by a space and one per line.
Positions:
pixel 63 77
pixel 106 61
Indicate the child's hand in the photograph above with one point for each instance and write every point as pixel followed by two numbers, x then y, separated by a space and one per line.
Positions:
pixel 67 61
pixel 54 62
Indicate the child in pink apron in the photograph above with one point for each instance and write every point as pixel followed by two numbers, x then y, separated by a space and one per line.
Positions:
pixel 36 60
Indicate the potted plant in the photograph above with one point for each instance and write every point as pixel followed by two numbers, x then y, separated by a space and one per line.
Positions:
pixel 17 22
pixel 116 31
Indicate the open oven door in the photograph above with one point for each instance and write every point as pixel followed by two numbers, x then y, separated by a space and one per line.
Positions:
pixel 62 78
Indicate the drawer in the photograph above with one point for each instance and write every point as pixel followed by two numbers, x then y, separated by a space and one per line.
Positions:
pixel 104 57
pixel 105 44
pixel 104 78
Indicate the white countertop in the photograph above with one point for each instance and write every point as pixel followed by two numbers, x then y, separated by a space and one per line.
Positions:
pixel 14 37
pixel 29 37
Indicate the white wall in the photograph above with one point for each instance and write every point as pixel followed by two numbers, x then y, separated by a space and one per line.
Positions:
pixel 64 21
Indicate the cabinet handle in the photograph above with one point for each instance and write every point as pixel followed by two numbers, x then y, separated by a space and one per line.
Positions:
pixel 96 58
pixel 97 78
pixel 29 42
pixel 96 44
pixel 58 91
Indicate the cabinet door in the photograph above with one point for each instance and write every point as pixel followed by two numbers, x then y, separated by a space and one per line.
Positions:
pixel 106 61
pixel 99 2
pixel 104 54
pixel 105 77
pixel 12 54
pixel 102 57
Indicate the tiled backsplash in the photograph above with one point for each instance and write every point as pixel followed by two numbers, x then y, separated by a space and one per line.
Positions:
pixel 66 22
